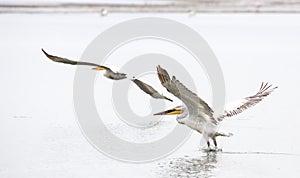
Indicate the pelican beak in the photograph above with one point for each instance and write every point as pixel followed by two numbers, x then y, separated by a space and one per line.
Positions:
pixel 170 112
pixel 99 68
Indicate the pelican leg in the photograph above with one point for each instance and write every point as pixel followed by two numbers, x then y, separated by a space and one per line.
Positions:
pixel 206 138
pixel 215 141
pixel 208 144
pixel 216 145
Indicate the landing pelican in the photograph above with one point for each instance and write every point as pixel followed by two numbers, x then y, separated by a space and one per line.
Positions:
pixel 196 113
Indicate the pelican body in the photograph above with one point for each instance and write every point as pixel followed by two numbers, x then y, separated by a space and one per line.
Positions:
pixel 111 74
pixel 202 124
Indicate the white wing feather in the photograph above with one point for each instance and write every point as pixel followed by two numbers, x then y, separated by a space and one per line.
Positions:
pixel 239 106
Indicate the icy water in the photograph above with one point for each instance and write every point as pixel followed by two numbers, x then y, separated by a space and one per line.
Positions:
pixel 38 127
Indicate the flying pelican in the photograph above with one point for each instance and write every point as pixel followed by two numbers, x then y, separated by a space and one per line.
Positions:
pixel 109 73
pixel 196 113
pixel 149 90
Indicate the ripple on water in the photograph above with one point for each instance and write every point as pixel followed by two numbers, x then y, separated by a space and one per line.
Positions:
pixel 202 165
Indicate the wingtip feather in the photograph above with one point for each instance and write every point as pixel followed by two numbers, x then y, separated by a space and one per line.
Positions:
pixel 45 52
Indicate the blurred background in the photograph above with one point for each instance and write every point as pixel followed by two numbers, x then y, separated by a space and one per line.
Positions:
pixel 157 6
pixel 254 41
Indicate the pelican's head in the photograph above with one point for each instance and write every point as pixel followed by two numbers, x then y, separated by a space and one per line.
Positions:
pixel 174 111
pixel 99 68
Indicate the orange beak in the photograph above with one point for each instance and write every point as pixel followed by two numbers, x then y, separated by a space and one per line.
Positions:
pixel 170 112
pixel 99 68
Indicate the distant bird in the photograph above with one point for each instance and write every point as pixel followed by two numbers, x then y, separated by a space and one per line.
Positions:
pixel 196 113
pixel 149 90
pixel 109 73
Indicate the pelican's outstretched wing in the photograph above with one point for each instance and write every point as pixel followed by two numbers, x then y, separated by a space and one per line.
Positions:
pixel 109 74
pixel 149 90
pixel 196 106
pixel 68 61
pixel 240 106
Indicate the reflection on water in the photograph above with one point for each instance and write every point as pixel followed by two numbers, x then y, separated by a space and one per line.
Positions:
pixel 188 166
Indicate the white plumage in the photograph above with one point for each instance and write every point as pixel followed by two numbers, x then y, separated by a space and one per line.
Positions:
pixel 196 113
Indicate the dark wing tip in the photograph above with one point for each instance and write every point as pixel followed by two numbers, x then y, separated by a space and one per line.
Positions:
pixel 48 55
pixel 265 86
pixel 159 69
pixel 162 75
pixel 45 52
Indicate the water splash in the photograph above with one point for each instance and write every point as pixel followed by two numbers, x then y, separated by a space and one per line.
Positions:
pixel 189 166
